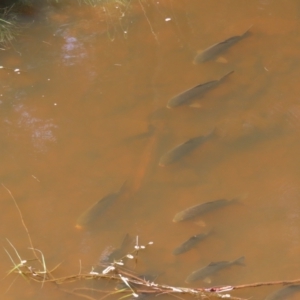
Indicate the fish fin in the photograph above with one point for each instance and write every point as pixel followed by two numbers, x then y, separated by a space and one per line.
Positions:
pixel 126 241
pixel 195 62
pixel 214 263
pixel 226 75
pixel 247 31
pixel 213 133
pixel 237 200
pixel 123 187
pixel 191 140
pixel 234 200
pixel 151 127
pixel 222 60
pixel 207 280
pixel 240 261
pixel 195 105
pixel 200 223
pixel 211 231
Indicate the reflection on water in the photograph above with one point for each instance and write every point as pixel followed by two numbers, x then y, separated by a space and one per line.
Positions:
pixel 72 51
pixel 89 113
pixel 40 131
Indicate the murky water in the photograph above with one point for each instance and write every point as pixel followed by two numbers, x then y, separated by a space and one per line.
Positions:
pixel 87 112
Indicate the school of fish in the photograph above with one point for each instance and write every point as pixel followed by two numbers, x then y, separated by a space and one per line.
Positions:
pixel 175 154
pixel 185 98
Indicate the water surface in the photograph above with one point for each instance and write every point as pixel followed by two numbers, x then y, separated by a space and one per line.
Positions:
pixel 75 126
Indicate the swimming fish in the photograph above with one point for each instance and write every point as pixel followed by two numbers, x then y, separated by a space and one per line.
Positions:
pixel 214 50
pixel 97 209
pixel 284 293
pixel 148 133
pixel 194 92
pixel 212 268
pixel 190 243
pixel 201 209
pixel 183 149
pixel 111 254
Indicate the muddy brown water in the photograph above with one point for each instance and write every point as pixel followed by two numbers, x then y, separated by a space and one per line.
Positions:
pixel 75 127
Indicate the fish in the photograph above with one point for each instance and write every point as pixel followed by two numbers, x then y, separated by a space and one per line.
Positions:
pixel 190 243
pixel 214 50
pixel 200 209
pixel 110 254
pixel 195 92
pixel 212 268
pixel 284 293
pixel 183 149
pixel 98 208
pixel 144 135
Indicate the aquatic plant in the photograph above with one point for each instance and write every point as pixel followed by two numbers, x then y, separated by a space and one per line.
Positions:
pixel 8 26
pixel 97 2
pixel 11 9
pixel 6 31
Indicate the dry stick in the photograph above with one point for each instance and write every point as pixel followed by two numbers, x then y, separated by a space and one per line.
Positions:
pixel 151 288
pixel 147 287
pixel 25 227
pixel 22 220
pixel 259 284
pixel 90 290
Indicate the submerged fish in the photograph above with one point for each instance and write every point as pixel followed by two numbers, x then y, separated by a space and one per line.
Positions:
pixel 110 254
pixel 190 243
pixel 284 293
pixel 201 209
pixel 183 149
pixel 194 92
pixel 148 133
pixel 97 209
pixel 214 50
pixel 212 268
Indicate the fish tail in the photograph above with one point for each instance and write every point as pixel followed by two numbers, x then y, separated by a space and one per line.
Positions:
pixel 235 200
pixel 126 241
pixel 176 251
pixel 123 187
pixel 240 261
pixel 79 227
pixel 213 133
pixel 211 231
pixel 226 75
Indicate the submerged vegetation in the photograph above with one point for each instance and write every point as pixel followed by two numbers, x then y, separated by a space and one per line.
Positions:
pixel 8 27
pixel 12 12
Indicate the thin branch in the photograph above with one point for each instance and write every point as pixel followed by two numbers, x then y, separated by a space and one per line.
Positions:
pixel 27 231
pixel 22 220
pixel 148 21
pixel 259 284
